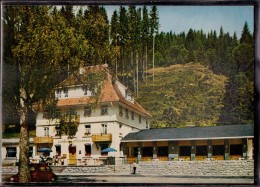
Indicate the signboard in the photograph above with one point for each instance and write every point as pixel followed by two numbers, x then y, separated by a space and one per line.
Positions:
pixel 74 141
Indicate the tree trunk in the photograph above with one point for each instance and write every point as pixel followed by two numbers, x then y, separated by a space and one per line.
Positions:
pixel 146 60
pixel 24 172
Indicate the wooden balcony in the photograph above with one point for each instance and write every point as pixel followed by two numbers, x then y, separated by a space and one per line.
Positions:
pixel 101 137
pixel 38 140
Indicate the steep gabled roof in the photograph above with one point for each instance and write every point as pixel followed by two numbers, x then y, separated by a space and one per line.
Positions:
pixel 109 93
pixel 191 133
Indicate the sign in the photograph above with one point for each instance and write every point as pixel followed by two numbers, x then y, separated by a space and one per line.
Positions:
pixel 74 141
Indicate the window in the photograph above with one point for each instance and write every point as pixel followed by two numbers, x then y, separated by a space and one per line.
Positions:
pixel 87 150
pixel 45 114
pixel 135 151
pixel 66 92
pixel 104 128
pixel 87 111
pixel 11 152
pixel 185 151
pixel 147 123
pixel 236 149
pixel 104 110
pixel 126 113
pixel 140 119
pixel 58 94
pixel 162 151
pixel 87 130
pixel 128 95
pixel 147 151
pixel 58 133
pixel 201 150
pixel 132 115
pixel 102 147
pixel 85 91
pixel 46 131
pixel 57 113
pixel 71 111
pixel 120 130
pixel 30 151
pixel 218 150
pixel 58 150
pixel 120 111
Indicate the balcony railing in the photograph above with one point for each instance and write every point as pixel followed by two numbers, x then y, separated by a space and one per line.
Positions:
pixel 70 118
pixel 38 140
pixel 101 137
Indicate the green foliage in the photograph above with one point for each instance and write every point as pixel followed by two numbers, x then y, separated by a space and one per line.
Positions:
pixel 69 124
pixel 246 35
pixel 244 57
pixel 239 100
pixel 92 80
pixel 181 95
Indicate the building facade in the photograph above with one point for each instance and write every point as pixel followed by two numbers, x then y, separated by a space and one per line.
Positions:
pixel 102 124
pixel 227 142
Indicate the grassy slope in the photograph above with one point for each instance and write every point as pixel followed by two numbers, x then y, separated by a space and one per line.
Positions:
pixel 182 95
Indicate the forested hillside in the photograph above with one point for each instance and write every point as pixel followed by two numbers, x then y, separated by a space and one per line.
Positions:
pixel 191 94
pixel 131 44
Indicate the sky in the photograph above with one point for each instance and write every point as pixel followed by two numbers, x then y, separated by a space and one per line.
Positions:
pixel 181 18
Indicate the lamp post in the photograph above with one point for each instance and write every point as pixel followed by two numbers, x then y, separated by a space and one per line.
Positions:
pixel 153 54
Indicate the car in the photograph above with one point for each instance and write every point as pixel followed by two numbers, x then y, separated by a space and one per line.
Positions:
pixel 40 172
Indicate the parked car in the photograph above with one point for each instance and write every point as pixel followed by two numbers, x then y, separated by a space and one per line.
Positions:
pixel 39 173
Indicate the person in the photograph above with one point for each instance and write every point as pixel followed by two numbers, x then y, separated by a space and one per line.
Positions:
pixel 134 168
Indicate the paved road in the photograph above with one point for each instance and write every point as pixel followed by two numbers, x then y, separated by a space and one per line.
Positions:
pixel 149 179
pixel 158 179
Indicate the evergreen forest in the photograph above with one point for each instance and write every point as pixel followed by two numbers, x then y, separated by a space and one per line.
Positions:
pixel 131 44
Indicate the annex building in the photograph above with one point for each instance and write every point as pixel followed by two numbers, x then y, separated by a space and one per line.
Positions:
pixel 227 142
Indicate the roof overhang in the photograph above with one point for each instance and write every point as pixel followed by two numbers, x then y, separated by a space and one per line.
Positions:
pixel 185 139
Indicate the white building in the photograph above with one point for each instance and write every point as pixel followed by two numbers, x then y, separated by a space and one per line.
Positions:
pixel 101 125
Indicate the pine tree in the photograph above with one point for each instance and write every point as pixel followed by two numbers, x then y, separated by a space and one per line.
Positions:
pixel 246 36
pixel 145 38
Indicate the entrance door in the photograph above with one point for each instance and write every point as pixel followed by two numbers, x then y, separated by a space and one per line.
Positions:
pixel 72 155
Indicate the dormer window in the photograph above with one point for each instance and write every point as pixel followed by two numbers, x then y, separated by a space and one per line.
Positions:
pixel 104 110
pixel 128 95
pixel 81 71
pixel 58 94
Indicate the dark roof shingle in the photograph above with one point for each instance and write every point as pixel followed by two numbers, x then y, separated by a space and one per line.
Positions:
pixel 191 133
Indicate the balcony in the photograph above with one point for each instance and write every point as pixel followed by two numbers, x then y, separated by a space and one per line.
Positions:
pixel 70 118
pixel 101 137
pixel 38 140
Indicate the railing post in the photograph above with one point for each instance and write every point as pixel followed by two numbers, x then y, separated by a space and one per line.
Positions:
pixel 139 155
pixel 226 143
